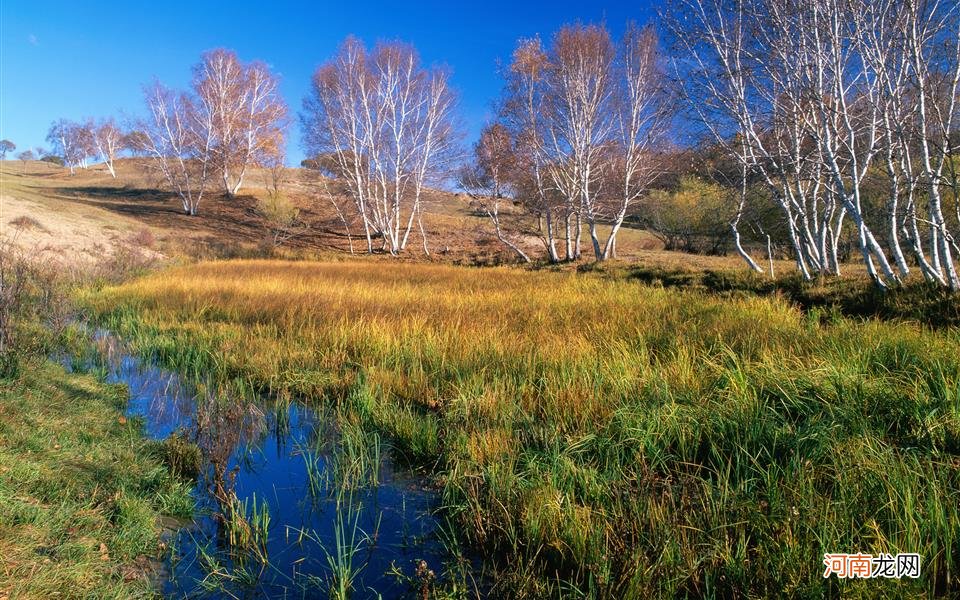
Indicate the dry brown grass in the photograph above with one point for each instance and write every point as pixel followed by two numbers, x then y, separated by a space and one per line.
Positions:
pixel 89 212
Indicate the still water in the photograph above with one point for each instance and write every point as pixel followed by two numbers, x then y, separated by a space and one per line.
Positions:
pixel 323 527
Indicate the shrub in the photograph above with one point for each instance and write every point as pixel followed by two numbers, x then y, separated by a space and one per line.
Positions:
pixel 143 238
pixel 692 218
pixel 33 309
pixel 182 456
pixel 282 217
pixel 127 260
pixel 27 222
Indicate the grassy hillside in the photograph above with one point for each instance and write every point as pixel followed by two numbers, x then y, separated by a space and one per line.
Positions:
pixel 598 435
pixel 91 214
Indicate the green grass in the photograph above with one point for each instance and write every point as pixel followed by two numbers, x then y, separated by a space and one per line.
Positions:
pixel 599 437
pixel 81 491
pixel 854 296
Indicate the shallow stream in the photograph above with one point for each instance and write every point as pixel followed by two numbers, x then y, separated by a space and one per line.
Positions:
pixel 339 513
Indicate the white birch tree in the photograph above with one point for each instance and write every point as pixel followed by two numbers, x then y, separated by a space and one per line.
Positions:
pixel 248 114
pixel 108 141
pixel 178 136
pixel 386 125
pixel 814 97
pixel 587 116
pixel 66 141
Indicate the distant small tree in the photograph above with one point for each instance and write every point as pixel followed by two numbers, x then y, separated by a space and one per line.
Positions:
pixel 281 214
pixel 486 176
pixel 108 141
pixel 282 217
pixel 691 218
pixel 26 155
pixel 6 146
pixel 42 154
pixel 135 142
pixel 68 141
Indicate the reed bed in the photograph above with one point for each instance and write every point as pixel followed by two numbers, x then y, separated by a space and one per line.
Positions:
pixel 600 437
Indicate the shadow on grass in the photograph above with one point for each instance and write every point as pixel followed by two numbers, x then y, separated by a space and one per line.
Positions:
pixel 225 227
pixel 917 301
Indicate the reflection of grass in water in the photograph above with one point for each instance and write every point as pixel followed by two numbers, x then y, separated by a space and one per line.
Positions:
pixel 228 424
pixel 245 529
pixel 351 465
pixel 353 462
pixel 231 419
pixel 341 553
pixel 456 581
pixel 223 578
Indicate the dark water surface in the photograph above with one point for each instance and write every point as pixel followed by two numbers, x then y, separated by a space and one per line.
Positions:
pixel 261 449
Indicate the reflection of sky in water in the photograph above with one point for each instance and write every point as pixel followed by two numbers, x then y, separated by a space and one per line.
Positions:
pixel 270 464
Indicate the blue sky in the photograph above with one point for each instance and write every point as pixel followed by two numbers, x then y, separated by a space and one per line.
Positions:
pixel 60 59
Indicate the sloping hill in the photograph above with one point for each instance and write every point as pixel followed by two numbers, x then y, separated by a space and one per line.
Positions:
pixel 90 213
pixel 42 213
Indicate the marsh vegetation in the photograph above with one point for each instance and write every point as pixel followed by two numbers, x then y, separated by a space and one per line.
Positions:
pixel 287 499
pixel 595 435
pixel 82 494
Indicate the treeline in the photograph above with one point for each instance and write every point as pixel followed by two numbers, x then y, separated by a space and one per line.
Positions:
pixel 231 118
pixel 28 154
pixel 76 143
pixel 821 127
pixel 818 101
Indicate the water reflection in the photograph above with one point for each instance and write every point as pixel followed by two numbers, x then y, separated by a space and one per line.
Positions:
pixel 289 504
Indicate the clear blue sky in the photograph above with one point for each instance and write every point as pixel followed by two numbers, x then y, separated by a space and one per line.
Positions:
pixel 74 60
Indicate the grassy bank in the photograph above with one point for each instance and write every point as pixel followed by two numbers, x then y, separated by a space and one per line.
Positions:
pixel 81 492
pixel 601 436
